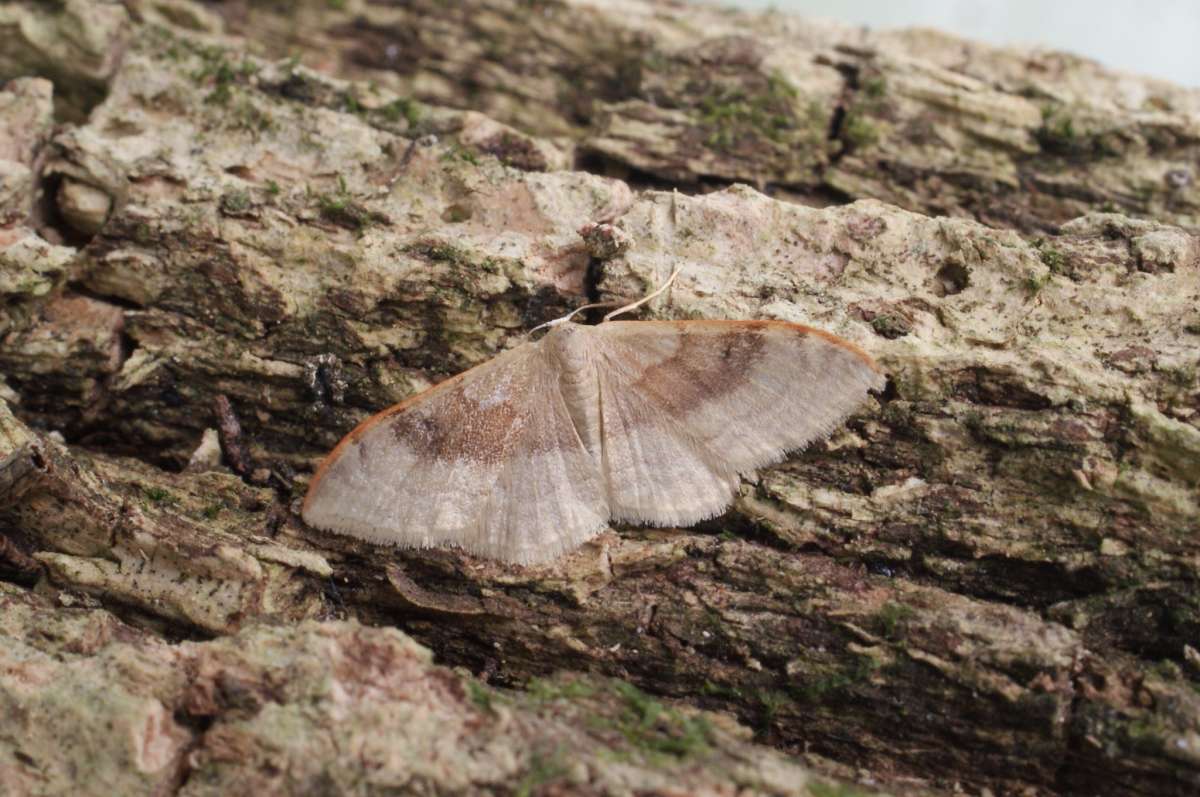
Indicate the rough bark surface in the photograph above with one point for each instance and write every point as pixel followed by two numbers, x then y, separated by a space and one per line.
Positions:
pixel 986 581
pixel 334 708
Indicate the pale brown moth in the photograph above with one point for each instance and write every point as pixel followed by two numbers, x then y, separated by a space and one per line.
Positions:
pixel 530 454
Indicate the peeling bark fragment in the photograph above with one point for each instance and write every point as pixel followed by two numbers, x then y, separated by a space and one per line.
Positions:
pixel 230 432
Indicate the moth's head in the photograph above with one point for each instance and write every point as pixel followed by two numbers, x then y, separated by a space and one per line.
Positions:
pixel 567 340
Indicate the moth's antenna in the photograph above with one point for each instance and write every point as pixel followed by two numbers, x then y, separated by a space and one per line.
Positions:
pixel 644 299
pixel 564 319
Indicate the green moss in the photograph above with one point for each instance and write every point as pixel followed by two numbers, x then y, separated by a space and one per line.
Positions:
pixel 310 142
pixel 1145 736
pixel 772 701
pixel 1167 670
pixel 1183 376
pixel 341 209
pixel 892 617
pixel 1061 134
pixel 1054 259
pixel 543 769
pixel 479 694
pixel 780 88
pixel 158 495
pixel 236 201
pixel 874 87
pixel 458 153
pixel 730 113
pixel 858 131
pixel 273 188
pixel 890 326
pixel 440 250
pixel 720 690
pixel 1034 283
pixel 219 95
pixel 221 72
pixel 819 789
pixel 545 690
pixel 1058 131
pixel 350 103
pixel 245 115
pixel 822 686
pixel 407 109
pixel 649 726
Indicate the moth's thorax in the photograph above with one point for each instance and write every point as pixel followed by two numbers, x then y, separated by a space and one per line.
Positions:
pixel 568 344
pixel 570 348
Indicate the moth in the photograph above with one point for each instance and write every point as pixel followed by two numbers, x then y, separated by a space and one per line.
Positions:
pixel 527 456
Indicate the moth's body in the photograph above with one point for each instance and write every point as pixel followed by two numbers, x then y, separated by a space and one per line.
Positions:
pixel 567 347
pixel 528 455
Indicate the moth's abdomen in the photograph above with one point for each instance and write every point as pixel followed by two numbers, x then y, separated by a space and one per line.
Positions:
pixel 578 381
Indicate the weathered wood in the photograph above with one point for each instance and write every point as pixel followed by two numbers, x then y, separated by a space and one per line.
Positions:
pixel 987 579
pixel 689 94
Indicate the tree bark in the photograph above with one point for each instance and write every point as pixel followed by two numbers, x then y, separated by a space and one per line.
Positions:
pixel 986 580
